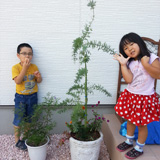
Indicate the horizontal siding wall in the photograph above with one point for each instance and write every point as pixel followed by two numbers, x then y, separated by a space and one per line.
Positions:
pixel 51 26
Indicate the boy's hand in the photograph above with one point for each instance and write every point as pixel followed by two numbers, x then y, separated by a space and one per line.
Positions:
pixel 121 59
pixel 37 74
pixel 26 63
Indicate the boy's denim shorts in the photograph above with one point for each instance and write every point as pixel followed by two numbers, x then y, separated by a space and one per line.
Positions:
pixel 24 107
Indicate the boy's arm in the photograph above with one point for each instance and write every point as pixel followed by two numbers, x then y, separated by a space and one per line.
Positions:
pixel 153 69
pixel 20 77
pixel 38 76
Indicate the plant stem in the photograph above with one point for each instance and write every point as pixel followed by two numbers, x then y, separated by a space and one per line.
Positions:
pixel 86 94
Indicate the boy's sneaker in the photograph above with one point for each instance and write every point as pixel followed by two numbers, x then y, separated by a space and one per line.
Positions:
pixel 133 153
pixel 21 145
pixel 123 146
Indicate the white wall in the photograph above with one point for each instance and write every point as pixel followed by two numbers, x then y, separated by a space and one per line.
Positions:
pixel 50 27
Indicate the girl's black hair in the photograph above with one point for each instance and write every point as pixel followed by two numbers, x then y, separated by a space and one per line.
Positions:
pixel 23 45
pixel 133 37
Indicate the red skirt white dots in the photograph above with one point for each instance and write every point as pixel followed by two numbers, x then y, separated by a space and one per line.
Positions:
pixel 138 109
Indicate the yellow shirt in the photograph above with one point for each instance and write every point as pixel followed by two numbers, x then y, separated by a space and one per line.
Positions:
pixel 29 83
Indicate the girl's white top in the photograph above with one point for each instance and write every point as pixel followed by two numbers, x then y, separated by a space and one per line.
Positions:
pixel 142 82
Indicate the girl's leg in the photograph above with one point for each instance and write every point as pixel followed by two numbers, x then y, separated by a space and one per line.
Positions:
pixel 130 128
pixel 142 134
pixel 130 133
pixel 130 137
pixel 138 149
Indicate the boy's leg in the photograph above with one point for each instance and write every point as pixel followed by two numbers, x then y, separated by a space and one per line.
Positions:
pixel 16 133
pixel 18 115
pixel 27 126
pixel 19 143
pixel 31 102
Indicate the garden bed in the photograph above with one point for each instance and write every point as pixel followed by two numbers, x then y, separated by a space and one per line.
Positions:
pixel 55 151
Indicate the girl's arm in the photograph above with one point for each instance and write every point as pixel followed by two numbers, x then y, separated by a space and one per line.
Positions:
pixel 153 69
pixel 126 73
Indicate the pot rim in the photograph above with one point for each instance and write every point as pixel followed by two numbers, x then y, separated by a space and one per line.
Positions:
pixel 37 146
pixel 88 142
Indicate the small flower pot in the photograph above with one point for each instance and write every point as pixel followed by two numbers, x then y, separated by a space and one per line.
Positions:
pixel 37 153
pixel 86 150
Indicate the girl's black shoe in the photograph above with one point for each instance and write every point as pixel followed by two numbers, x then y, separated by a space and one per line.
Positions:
pixel 123 146
pixel 133 153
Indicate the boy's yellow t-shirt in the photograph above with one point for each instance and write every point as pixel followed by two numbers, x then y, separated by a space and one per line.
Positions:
pixel 29 83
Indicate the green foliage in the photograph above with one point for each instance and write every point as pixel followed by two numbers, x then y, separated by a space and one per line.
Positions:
pixel 80 74
pixel 37 130
pixel 98 88
pixel 83 128
pixel 91 4
pixel 77 124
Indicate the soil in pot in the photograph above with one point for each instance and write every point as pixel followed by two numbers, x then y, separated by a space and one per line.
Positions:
pixel 89 136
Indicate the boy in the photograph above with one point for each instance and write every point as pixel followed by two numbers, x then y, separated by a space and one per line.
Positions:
pixel 26 77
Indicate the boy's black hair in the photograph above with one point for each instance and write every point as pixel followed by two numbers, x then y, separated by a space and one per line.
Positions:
pixel 133 37
pixel 23 45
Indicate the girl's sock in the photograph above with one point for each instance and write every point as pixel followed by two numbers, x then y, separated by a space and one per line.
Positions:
pixel 129 139
pixel 139 146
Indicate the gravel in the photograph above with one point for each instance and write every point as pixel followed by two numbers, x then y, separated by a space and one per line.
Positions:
pixel 55 151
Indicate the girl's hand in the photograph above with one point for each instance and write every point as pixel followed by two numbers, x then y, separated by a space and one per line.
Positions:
pixel 121 59
pixel 37 74
pixel 145 60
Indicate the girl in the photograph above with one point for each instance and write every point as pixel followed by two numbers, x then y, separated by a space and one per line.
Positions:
pixel 138 103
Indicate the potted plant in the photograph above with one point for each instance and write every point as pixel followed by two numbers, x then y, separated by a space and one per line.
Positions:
pixel 85 133
pixel 36 133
